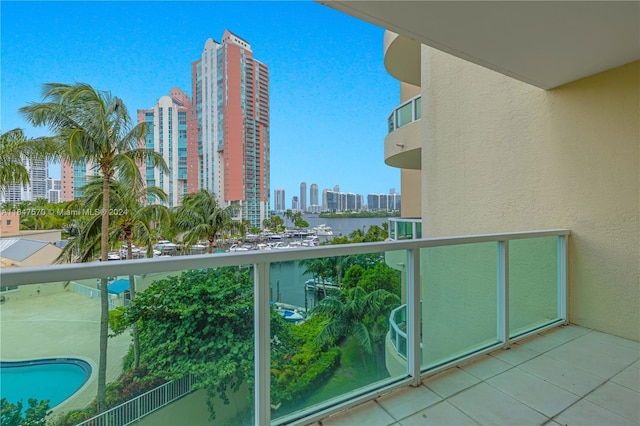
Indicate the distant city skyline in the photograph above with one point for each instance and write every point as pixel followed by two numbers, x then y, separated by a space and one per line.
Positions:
pixel 319 83
pixel 391 198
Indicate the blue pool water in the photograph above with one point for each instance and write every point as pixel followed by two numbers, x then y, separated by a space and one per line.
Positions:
pixel 52 379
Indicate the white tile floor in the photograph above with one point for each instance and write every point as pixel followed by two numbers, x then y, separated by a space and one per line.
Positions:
pixel 565 376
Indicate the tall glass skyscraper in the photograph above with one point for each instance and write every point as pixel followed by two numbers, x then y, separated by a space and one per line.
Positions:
pixel 303 196
pixel 231 112
pixel 167 135
pixel 313 195
pixel 279 200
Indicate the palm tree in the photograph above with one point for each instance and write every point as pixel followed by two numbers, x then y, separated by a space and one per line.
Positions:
pixel 132 217
pixel 319 268
pixel 202 218
pixel 356 313
pixel 14 148
pixel 94 126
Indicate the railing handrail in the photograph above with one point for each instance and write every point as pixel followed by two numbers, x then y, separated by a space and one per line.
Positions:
pixel 406 219
pixel 176 383
pixel 77 271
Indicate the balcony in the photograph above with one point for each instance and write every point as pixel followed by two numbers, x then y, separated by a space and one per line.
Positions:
pixel 462 299
pixel 404 228
pixel 402 145
pixel 402 58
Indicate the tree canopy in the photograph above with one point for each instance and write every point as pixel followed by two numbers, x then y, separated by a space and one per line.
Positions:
pixel 199 322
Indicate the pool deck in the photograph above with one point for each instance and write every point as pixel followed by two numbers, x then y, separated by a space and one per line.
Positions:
pixel 60 325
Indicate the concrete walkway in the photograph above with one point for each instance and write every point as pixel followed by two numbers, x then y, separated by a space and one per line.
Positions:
pixel 62 325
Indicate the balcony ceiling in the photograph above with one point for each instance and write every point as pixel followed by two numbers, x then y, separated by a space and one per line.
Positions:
pixel 543 43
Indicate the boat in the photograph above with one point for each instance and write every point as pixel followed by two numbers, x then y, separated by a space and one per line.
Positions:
pixel 290 315
pixel 323 230
pixel 315 284
pixel 238 247
pixel 113 256
pixel 280 245
pixel 311 241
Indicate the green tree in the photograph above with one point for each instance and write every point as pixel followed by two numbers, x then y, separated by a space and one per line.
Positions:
pixel 375 233
pixel 354 312
pixel 35 414
pixel 381 277
pixel 15 147
pixel 201 323
pixel 94 126
pixel 200 217
pixel 132 218
pixel 352 276
pixel 301 223
pixel 320 268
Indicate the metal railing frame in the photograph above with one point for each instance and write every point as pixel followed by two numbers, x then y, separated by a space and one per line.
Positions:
pixel 136 408
pixel 261 262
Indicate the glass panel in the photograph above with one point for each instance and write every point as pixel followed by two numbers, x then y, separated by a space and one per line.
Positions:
pixel 390 123
pixel 419 230
pixel 459 301
pixel 404 115
pixel 533 283
pixel 193 326
pixel 405 230
pixel 418 103
pixel 329 338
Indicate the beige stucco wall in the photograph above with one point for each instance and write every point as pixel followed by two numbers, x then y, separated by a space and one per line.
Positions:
pixel 411 188
pixel 499 155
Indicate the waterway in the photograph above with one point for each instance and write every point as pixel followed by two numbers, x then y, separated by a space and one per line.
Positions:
pixel 287 279
pixel 342 226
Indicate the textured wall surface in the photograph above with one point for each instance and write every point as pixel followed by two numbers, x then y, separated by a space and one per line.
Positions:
pixel 499 155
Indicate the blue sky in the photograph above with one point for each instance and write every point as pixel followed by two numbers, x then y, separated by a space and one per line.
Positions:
pixel 330 94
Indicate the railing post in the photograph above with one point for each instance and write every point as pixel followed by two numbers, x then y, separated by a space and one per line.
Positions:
pixel 563 256
pixel 262 340
pixel 503 292
pixel 413 315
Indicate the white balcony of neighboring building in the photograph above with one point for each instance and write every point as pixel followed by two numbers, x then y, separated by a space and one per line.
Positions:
pixel 402 58
pixel 402 145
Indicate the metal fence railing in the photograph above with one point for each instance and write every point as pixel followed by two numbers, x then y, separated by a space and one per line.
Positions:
pixel 138 407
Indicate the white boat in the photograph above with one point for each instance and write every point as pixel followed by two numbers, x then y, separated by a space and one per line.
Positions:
pixel 280 245
pixel 113 256
pixel 311 241
pixel 317 285
pixel 238 247
pixel 323 230
pixel 290 315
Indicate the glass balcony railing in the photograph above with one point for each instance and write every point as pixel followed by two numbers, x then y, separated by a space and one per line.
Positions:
pixel 406 113
pixel 402 228
pixel 288 336
pixel 398 330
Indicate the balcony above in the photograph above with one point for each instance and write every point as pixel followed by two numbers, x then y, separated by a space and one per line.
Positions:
pixel 546 44
pixel 402 58
pixel 402 146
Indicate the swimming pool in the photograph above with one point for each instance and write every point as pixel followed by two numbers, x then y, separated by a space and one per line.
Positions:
pixel 55 379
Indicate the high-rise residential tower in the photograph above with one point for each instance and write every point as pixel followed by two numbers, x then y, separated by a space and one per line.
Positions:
pixel 167 135
pixel 303 196
pixel 231 115
pixel 279 200
pixel 313 194
pixel 35 189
